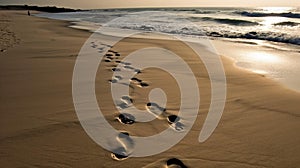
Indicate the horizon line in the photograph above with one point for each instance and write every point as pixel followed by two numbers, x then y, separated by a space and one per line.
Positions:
pixel 143 7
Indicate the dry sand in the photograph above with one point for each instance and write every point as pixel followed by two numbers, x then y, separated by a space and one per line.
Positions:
pixel 39 127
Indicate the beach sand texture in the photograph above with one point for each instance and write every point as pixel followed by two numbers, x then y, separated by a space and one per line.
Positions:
pixel 39 126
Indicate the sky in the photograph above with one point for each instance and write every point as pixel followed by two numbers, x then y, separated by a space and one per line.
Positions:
pixel 97 4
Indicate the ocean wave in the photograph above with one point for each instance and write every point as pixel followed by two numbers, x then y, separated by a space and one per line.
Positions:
pixel 286 24
pixel 268 36
pixel 179 23
pixel 190 31
pixel 205 12
pixel 261 14
pixel 235 22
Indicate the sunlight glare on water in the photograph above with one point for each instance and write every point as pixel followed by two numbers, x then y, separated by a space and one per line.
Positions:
pixel 276 9
pixel 270 21
pixel 262 57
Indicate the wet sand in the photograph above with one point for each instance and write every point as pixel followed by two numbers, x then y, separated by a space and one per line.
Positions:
pixel 39 126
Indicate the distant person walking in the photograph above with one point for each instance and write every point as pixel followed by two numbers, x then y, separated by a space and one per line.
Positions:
pixel 28 13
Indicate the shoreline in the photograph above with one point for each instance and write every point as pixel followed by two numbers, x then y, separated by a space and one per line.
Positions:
pixel 39 125
pixel 218 44
pixel 261 60
pixel 286 80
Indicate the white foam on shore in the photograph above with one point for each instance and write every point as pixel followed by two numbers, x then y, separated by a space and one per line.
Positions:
pixel 265 58
pixel 276 61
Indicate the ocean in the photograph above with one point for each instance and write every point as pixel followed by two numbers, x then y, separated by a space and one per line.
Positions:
pixel 274 24
pixel 272 33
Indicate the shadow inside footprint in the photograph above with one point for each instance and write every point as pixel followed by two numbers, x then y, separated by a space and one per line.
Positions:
pixel 127 99
pixel 137 71
pixel 123 133
pixel 173 119
pixel 178 126
pixel 143 84
pixel 123 105
pixel 116 69
pixel 118 77
pixel 109 55
pixel 113 81
pixel 136 79
pixel 175 162
pixel 128 67
pixel 93 45
pixel 126 118
pixel 119 154
pixel 156 110
pixel 149 105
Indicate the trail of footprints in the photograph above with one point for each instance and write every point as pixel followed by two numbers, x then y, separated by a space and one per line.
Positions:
pixel 122 153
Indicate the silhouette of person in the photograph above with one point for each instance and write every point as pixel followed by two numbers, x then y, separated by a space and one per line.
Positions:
pixel 28 13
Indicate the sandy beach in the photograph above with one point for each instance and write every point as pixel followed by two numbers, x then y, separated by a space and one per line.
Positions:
pixel 39 126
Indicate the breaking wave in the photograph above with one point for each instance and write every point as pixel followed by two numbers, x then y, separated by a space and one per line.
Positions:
pixel 262 14
pixel 235 22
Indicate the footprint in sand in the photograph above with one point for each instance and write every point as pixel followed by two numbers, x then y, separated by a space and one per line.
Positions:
pixel 122 105
pixel 125 63
pixel 108 55
pixel 155 109
pixel 101 49
pixel 160 112
pixel 173 120
pixel 119 154
pixel 112 51
pixel 116 69
pixel 134 79
pixel 127 99
pixel 125 102
pixel 175 163
pixel 126 118
pixel 93 45
pixel 178 126
pixel 118 77
pixel 140 82
pixel 126 141
pixel 115 79
pixel 128 67
pixel 127 145
pixel 143 84
pixel 137 71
